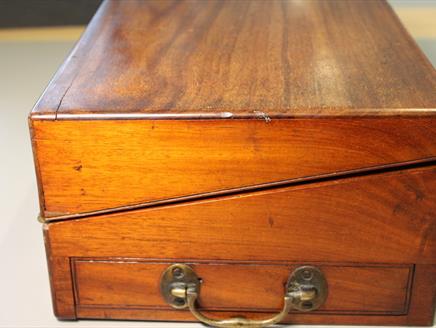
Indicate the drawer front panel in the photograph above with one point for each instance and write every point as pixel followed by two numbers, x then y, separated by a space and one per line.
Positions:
pixel 247 287
pixel 386 218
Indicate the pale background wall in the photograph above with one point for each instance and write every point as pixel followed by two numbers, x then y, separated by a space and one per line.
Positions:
pixel 28 59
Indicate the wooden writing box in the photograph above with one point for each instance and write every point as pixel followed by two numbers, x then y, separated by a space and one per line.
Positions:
pixel 268 159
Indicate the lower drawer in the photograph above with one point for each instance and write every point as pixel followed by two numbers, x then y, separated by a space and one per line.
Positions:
pixel 246 287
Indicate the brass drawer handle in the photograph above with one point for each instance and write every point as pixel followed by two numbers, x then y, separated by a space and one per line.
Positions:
pixel 238 321
pixel 306 290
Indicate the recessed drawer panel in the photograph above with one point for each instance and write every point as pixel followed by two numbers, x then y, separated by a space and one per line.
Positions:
pixel 247 287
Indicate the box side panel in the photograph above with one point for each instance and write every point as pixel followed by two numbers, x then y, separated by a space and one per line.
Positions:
pixel 375 228
pixel 88 166
pixel 386 218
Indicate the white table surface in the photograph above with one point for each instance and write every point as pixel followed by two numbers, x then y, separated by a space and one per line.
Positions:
pixel 25 69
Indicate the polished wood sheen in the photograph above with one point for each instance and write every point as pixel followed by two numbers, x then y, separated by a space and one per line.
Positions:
pixel 348 220
pixel 144 108
pixel 238 59
pixel 339 220
pixel 244 138
pixel 335 224
pixel 358 289
pixel 86 166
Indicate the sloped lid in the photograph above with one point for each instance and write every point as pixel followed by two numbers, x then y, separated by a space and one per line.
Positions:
pixel 161 100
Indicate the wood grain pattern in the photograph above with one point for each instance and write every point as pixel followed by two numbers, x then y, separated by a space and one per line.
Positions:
pixel 162 100
pixel 239 58
pixel 127 283
pixel 60 282
pixel 423 298
pixel 95 165
pixel 392 212
pixel 348 220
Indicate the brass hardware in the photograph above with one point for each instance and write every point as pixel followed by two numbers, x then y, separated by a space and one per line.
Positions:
pixel 309 286
pixel 174 283
pixel 306 290
pixel 41 219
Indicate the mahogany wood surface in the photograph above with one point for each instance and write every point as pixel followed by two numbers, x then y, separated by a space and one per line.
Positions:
pixel 245 138
pixel 86 166
pixel 359 289
pixel 384 218
pixel 199 66
pixel 242 59
pixel 364 232
pixel 61 284
pixel 423 298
